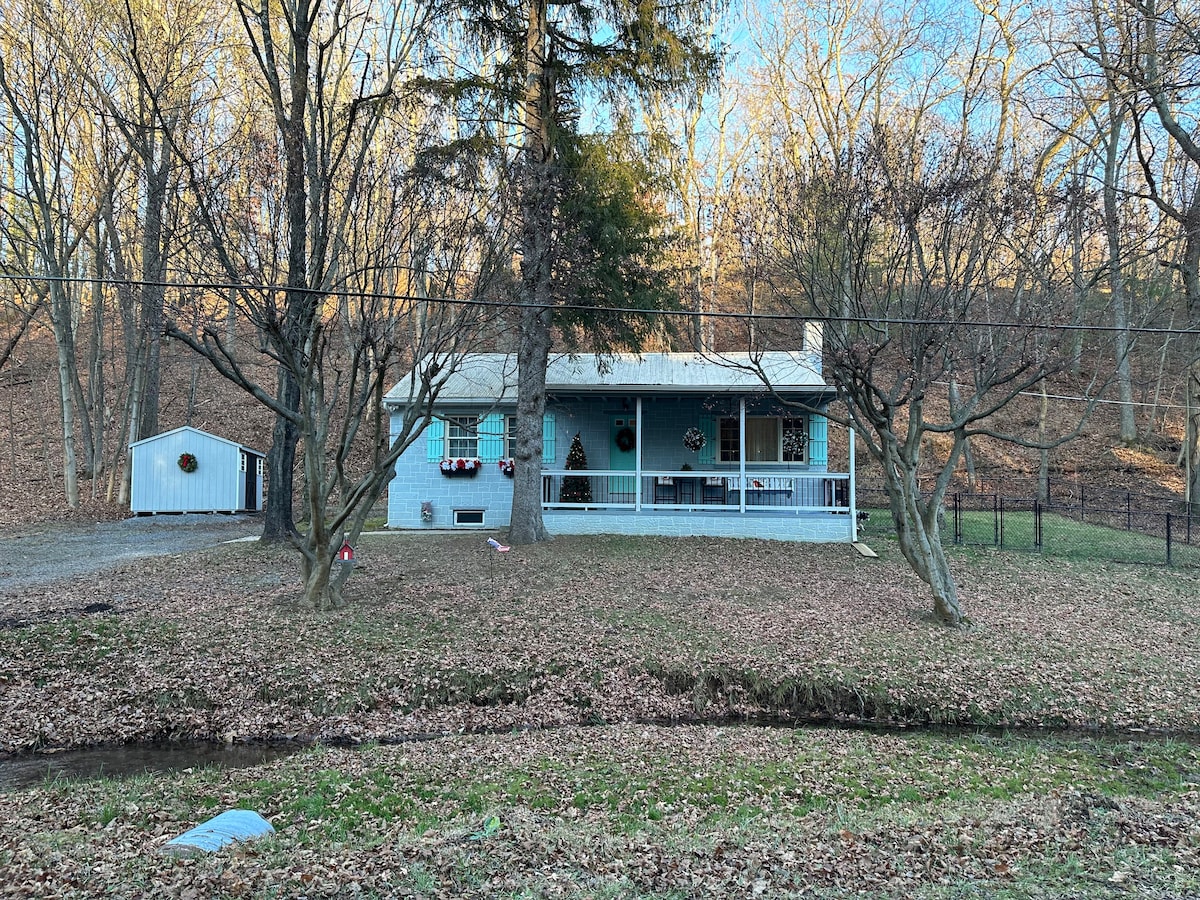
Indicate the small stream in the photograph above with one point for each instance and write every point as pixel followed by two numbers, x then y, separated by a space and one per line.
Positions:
pixel 18 772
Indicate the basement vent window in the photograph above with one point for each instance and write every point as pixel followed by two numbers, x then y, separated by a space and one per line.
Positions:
pixel 468 517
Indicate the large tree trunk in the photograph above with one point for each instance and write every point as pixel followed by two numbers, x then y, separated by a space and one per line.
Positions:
pixel 278 522
pixel 299 302
pixel 533 351
pixel 534 339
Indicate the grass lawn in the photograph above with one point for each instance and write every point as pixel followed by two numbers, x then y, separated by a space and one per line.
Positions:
pixel 605 671
pixel 1062 537
pixel 642 811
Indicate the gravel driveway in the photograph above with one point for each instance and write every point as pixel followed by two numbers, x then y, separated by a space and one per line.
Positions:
pixel 48 552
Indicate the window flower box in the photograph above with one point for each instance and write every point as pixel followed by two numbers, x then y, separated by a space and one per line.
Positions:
pixel 459 468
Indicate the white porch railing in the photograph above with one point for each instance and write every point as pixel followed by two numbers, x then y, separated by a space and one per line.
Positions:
pixel 759 491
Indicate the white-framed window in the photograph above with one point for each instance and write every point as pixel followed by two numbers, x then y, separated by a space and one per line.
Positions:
pixel 510 436
pixel 768 439
pixel 261 466
pixel 462 437
pixel 241 462
pixel 468 517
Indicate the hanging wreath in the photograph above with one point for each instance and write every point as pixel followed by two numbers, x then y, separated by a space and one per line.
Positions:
pixel 626 439
pixel 794 444
pixel 694 439
pixel 187 462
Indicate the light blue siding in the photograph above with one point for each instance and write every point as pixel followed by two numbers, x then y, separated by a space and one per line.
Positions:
pixel 664 419
pixel 218 484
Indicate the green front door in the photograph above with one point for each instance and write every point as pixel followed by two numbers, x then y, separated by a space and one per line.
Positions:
pixel 622 490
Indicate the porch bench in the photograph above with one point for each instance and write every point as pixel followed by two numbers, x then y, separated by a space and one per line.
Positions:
pixel 767 492
pixel 767 498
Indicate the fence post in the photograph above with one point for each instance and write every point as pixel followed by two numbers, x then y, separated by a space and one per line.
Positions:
pixel 957 518
pixel 1037 522
pixel 995 520
pixel 1082 511
pixel 1168 539
pixel 1128 512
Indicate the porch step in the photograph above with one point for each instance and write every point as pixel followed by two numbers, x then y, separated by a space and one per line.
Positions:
pixel 864 550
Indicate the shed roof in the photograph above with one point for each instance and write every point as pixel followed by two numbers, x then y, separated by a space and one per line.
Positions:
pixel 488 377
pixel 197 431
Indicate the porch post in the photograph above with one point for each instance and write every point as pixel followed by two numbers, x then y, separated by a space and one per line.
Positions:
pixel 853 499
pixel 742 455
pixel 637 460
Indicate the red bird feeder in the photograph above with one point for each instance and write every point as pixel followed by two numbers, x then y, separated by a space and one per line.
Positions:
pixel 346 554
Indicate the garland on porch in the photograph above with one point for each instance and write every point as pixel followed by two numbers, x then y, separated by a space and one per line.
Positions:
pixel 625 440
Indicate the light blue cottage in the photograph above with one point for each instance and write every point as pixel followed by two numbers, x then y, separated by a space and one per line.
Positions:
pixel 676 444
pixel 226 476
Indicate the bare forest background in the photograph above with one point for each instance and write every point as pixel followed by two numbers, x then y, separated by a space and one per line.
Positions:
pixel 255 217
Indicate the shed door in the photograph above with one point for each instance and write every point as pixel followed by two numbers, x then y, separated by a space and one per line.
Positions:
pixel 250 469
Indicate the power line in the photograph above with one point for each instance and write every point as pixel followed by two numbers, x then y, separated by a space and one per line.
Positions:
pixel 1096 400
pixel 623 310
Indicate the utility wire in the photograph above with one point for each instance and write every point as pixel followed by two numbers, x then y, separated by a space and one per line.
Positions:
pixel 1097 400
pixel 583 307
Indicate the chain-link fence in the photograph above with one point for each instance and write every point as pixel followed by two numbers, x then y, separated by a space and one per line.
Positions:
pixel 1064 519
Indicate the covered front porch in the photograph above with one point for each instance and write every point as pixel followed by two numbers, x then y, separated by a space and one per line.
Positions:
pixel 761 470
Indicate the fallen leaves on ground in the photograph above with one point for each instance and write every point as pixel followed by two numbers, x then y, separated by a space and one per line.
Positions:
pixel 440 635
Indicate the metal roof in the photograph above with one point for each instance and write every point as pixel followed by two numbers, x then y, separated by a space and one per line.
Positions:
pixel 492 377
pixel 199 432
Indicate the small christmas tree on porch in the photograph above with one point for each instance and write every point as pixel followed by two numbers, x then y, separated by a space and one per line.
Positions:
pixel 576 488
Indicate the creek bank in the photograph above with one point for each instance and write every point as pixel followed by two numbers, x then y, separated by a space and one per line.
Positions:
pixel 21 771
pixel 29 770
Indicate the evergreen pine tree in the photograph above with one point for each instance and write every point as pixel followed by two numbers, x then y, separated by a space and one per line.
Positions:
pixel 576 488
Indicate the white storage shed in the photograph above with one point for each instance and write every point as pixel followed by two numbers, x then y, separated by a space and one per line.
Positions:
pixel 189 470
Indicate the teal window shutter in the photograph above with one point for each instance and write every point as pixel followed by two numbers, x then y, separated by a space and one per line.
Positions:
pixel 435 440
pixel 491 437
pixel 818 440
pixel 548 451
pixel 708 453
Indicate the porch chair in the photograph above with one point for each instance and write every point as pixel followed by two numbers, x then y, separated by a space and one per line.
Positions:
pixel 665 490
pixel 713 491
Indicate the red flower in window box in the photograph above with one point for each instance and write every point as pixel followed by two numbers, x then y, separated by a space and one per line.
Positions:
pixel 453 468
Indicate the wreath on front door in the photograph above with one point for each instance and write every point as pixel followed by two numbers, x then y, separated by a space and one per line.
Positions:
pixel 626 440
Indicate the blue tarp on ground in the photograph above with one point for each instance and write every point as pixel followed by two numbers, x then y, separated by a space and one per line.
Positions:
pixel 230 826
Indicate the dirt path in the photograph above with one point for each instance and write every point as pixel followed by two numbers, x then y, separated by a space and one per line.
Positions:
pixel 49 552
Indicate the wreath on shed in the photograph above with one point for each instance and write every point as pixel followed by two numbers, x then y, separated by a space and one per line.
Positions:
pixel 626 440
pixel 187 462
